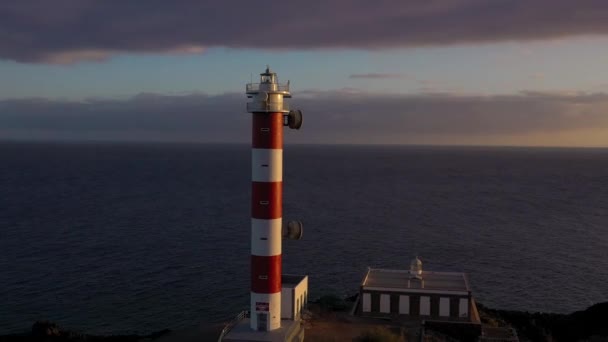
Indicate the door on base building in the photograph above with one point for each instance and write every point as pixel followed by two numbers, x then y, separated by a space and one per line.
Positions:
pixel 262 322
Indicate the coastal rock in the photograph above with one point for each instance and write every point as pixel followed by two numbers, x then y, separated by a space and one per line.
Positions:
pixel 45 329
pixel 589 324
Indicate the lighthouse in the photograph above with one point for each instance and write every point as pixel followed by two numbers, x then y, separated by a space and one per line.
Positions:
pixel 270 114
pixel 276 299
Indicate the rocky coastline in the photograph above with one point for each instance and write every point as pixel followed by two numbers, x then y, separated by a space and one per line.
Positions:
pixel 590 324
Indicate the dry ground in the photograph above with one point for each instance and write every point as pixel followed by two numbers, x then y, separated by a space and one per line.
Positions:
pixel 202 333
pixel 340 327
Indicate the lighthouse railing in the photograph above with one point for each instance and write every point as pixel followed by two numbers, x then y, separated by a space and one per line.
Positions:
pixel 253 87
pixel 267 106
pixel 236 320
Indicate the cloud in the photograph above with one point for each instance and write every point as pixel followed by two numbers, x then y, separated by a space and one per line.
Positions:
pixel 377 76
pixel 62 31
pixel 537 76
pixel 329 117
pixel 75 56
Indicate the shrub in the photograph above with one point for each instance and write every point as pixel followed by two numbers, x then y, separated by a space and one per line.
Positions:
pixel 332 302
pixel 378 335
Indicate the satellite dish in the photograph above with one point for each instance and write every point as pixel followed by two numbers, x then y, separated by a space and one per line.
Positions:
pixel 294 119
pixel 293 230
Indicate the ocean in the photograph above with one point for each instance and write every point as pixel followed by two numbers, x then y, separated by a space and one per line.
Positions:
pixel 126 237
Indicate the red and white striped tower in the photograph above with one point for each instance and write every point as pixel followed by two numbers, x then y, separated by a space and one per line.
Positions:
pixel 269 117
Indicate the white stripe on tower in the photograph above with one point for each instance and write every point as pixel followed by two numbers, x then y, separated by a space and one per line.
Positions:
pixel 266 237
pixel 264 164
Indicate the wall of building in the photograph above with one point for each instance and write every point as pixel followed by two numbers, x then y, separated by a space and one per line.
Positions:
pixel 301 297
pixel 432 305
pixel 287 299
pixel 294 299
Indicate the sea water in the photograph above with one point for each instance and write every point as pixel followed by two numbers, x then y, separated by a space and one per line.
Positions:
pixel 118 238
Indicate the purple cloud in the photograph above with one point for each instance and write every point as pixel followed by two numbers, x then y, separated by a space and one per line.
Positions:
pixel 65 31
pixel 377 76
pixel 330 117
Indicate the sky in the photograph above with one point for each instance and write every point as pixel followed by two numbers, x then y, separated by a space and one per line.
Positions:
pixel 458 72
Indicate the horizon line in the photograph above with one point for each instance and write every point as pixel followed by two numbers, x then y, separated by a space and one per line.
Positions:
pixel 177 142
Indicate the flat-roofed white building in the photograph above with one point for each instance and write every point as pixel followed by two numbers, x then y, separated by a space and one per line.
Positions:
pixel 416 294
pixel 294 295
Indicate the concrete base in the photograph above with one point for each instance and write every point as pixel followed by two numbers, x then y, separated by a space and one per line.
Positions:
pixel 290 331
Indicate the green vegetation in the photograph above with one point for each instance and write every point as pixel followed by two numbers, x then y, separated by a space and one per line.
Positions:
pixel 332 302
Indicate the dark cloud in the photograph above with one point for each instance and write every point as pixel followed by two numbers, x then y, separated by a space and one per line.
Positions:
pixel 63 31
pixel 329 117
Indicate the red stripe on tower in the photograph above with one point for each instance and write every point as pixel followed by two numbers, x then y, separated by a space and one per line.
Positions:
pixel 266 200
pixel 267 130
pixel 266 274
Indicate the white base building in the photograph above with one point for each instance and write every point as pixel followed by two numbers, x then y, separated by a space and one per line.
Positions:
pixel 294 297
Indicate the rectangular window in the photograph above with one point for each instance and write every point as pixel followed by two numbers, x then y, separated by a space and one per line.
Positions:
pixel 367 302
pixel 444 307
pixel 463 308
pixel 404 305
pixel 425 306
pixel 385 303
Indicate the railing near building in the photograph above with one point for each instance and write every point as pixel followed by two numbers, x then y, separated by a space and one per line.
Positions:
pixel 238 318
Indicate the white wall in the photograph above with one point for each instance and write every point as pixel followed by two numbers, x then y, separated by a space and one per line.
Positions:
pixel 274 305
pixel 444 307
pixel 300 290
pixel 286 303
pixel 404 305
pixel 463 307
pixel 385 303
pixel 293 299
pixel 425 306
pixel 367 302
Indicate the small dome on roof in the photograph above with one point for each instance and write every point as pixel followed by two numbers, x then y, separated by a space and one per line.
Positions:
pixel 416 267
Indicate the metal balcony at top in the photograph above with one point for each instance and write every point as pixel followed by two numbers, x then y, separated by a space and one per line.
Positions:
pixel 266 106
pixel 268 87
